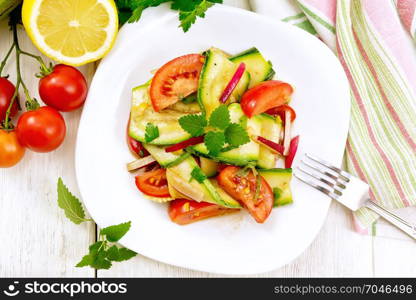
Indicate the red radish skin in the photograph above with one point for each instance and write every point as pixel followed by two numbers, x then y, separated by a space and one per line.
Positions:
pixel 184 144
pixel 293 148
pixel 288 130
pixel 233 83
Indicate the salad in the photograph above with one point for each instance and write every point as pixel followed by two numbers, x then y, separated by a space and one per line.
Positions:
pixel 208 131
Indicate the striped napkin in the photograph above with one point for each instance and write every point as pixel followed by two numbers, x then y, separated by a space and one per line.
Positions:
pixel 373 41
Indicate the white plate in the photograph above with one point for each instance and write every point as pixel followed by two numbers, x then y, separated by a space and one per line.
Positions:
pixel 232 244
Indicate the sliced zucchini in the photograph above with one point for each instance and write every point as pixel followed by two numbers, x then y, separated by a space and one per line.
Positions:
pixel 209 166
pixel 279 181
pixel 180 166
pixel 142 113
pixel 245 154
pixel 271 129
pixel 231 202
pixel 190 108
pixel 183 182
pixel 259 68
pixel 215 75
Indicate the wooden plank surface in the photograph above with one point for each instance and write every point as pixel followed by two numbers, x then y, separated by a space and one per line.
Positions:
pixel 37 239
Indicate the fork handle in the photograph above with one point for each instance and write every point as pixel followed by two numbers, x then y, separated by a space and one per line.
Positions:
pixel 394 219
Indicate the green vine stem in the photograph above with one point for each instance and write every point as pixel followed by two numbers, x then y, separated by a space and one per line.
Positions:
pixel 3 63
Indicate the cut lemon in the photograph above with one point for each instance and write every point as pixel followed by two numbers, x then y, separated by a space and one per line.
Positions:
pixel 73 32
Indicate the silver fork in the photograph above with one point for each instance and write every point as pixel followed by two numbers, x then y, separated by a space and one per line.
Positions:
pixel 346 189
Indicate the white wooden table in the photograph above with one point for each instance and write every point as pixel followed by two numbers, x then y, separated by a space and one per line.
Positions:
pixel 37 239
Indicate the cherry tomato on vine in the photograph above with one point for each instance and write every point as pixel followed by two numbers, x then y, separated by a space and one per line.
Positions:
pixel 41 130
pixel 11 152
pixel 64 88
pixel 7 90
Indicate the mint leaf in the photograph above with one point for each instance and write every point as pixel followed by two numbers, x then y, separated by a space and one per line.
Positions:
pixel 193 124
pixel 214 141
pixel 100 261
pixel 151 133
pixel 116 232
pixel 198 175
pixel 70 204
pixel 87 260
pixel 120 254
pixel 187 18
pixel 236 135
pixel 220 117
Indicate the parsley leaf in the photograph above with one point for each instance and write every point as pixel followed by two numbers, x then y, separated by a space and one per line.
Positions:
pixel 70 204
pixel 131 10
pixel 198 175
pixel 116 232
pixel 187 18
pixel 214 141
pixel 151 133
pixel 220 117
pixel 193 124
pixel 236 135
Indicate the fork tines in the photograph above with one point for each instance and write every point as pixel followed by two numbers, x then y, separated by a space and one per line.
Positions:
pixel 322 176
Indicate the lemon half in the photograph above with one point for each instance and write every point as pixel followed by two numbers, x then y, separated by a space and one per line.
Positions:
pixel 73 32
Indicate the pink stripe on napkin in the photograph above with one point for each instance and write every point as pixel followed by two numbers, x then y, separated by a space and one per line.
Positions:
pixel 327 7
pixel 384 19
pixel 406 10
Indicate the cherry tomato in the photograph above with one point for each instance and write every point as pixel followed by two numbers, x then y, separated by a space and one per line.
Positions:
pixel 293 148
pixel 7 90
pixel 153 183
pixel 183 211
pixel 64 89
pixel 243 189
pixel 11 152
pixel 281 112
pixel 265 96
pixel 175 80
pixel 41 130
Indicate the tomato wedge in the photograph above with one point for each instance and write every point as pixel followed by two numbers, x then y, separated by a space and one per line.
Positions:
pixel 153 183
pixel 281 112
pixel 243 189
pixel 183 211
pixel 175 80
pixel 265 96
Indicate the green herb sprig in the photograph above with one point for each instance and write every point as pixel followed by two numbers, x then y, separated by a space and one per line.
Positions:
pixel 103 253
pixel 189 10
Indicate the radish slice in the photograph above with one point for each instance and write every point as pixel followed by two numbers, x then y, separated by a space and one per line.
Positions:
pixel 288 127
pixel 140 163
pixel 233 83
pixel 184 144
pixel 272 146
pixel 293 148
